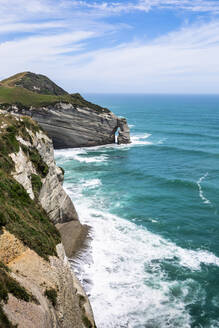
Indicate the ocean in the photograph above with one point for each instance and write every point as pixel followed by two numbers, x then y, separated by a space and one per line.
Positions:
pixel 153 205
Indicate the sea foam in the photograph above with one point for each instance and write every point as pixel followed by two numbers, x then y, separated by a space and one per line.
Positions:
pixel 125 275
pixel 80 155
pixel 201 194
pixel 124 268
pixel 140 139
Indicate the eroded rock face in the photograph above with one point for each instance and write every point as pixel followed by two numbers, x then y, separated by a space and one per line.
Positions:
pixel 52 196
pixel 23 170
pixel 70 126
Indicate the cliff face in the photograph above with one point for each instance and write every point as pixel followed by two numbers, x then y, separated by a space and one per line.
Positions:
pixel 40 290
pixel 69 119
pixel 70 126
pixel 52 196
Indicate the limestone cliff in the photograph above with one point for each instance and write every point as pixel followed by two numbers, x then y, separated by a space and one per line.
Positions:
pixel 38 288
pixel 69 119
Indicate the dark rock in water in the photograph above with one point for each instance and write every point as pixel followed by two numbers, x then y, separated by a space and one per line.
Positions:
pixel 124 132
pixel 69 120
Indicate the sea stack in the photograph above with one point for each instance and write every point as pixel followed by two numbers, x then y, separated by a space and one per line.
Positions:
pixel 69 119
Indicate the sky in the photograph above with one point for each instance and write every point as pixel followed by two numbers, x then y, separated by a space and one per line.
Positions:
pixel 133 46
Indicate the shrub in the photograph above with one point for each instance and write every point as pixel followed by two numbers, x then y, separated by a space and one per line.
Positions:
pixel 3 219
pixel 36 184
pixel 86 321
pixel 51 294
pixel 41 167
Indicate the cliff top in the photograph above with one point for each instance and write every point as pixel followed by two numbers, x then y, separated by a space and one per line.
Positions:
pixel 30 89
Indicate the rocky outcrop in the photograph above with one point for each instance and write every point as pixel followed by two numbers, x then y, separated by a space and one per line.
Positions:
pixel 69 119
pixel 70 126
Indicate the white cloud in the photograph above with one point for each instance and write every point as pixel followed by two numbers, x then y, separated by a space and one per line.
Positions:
pixel 45 46
pixel 21 9
pixel 177 64
pixel 185 61
pixel 39 53
pixel 31 6
pixel 146 5
pixel 182 61
pixel 8 27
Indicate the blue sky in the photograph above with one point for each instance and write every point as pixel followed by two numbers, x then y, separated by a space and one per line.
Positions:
pixel 133 46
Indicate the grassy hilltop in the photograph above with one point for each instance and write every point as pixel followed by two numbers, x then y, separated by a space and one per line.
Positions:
pixel 29 89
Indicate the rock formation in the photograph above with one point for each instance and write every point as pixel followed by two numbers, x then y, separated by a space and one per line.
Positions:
pixel 69 119
pixel 124 132
pixel 40 290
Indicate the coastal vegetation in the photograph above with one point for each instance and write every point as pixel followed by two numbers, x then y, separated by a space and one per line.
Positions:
pixel 51 294
pixel 36 184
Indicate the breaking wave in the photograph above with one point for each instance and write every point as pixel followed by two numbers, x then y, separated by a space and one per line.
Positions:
pixel 126 268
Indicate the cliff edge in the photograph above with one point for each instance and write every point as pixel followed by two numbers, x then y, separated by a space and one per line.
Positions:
pixel 69 119
pixel 37 287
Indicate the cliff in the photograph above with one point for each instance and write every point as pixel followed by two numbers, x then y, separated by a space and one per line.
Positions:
pixel 69 119
pixel 37 287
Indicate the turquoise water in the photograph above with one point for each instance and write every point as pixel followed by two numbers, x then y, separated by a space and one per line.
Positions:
pixel 154 211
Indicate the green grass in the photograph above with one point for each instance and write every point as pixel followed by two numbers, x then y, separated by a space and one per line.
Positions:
pixel 26 98
pixel 25 218
pixel 8 144
pixel 13 79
